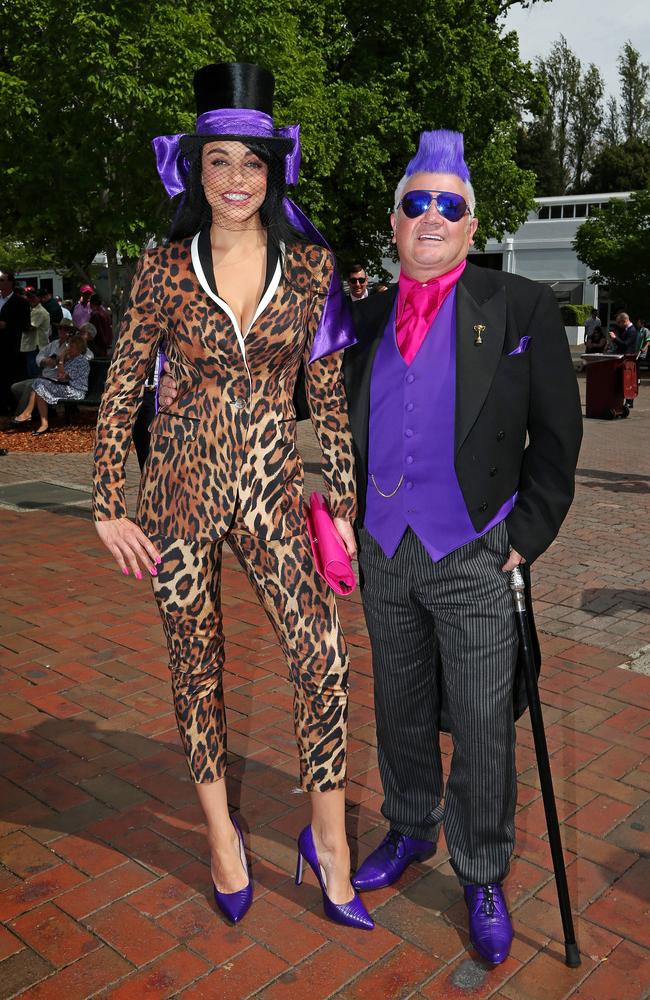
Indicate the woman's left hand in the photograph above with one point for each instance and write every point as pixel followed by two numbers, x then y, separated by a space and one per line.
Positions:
pixel 346 531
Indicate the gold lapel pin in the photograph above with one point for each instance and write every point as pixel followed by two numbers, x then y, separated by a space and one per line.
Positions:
pixel 478 330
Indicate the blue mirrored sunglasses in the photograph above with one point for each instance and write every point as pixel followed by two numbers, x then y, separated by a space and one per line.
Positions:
pixel 450 205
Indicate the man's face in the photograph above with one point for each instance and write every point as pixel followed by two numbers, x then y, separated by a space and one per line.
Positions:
pixel 358 282
pixel 431 245
pixel 622 321
pixel 5 285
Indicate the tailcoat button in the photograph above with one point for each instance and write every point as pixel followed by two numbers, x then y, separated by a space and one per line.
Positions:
pixel 501 435
pixel 493 470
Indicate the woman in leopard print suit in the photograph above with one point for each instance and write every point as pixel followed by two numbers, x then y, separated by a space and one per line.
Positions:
pixel 237 297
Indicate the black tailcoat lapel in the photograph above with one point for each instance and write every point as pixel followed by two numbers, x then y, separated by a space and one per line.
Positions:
pixel 478 304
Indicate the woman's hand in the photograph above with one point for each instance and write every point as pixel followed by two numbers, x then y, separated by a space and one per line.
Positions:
pixel 167 387
pixel 129 546
pixel 346 531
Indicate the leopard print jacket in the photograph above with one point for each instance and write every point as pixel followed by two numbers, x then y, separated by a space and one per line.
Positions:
pixel 229 438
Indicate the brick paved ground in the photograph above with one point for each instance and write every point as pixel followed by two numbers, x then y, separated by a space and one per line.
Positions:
pixel 104 886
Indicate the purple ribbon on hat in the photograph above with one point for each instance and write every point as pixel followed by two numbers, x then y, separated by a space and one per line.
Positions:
pixel 335 330
pixel 172 165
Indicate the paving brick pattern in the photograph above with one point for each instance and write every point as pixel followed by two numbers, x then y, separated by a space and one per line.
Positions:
pixel 104 881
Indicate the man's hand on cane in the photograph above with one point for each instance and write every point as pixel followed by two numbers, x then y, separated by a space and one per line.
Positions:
pixel 514 559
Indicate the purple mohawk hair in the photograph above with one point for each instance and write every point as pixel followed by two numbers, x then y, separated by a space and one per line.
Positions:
pixel 440 152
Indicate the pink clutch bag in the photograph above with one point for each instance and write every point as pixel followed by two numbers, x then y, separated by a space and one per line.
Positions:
pixel 330 557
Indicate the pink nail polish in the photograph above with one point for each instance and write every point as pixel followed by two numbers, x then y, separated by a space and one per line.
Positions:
pixel 126 572
pixel 158 559
pixel 138 575
pixel 152 570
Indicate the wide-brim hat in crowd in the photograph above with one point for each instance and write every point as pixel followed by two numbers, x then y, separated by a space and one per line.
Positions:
pixel 234 101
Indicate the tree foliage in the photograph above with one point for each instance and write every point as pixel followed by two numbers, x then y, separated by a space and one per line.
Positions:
pixel 634 76
pixel 625 167
pixel 84 86
pixel 615 244
pixel 560 72
pixel 573 143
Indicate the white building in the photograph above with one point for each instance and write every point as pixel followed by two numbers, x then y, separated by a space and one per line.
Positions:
pixel 541 248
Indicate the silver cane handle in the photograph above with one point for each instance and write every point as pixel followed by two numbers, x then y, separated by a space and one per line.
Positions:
pixel 518 588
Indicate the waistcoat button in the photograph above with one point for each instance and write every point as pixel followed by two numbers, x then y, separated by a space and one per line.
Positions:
pixel 483 507
pixel 493 470
pixel 501 435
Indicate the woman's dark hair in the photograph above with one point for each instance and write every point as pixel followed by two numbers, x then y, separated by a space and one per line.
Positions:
pixel 194 212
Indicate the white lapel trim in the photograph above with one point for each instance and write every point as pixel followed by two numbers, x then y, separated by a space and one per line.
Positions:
pixel 263 303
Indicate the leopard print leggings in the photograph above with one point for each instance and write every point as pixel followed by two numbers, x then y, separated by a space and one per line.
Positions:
pixel 303 613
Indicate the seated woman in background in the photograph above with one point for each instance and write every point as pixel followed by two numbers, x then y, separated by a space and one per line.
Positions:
pixel 71 383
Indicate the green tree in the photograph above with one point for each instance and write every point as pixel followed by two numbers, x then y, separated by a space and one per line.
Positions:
pixel 536 152
pixel 560 72
pixel 611 134
pixel 392 92
pixel 586 120
pixel 615 244
pixel 625 167
pixel 635 99
pixel 84 86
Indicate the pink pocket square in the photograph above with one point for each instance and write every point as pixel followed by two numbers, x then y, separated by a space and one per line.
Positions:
pixel 522 346
pixel 330 556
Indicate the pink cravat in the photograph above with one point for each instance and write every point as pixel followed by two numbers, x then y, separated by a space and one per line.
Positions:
pixel 417 307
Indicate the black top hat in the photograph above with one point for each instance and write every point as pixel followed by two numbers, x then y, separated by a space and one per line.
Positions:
pixel 238 85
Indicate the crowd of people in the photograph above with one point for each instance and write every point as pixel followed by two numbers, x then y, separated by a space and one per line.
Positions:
pixel 48 344
pixel 622 337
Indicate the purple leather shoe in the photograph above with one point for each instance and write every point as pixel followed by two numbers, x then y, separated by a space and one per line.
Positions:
pixel 388 861
pixel 490 929
pixel 351 914
pixel 234 905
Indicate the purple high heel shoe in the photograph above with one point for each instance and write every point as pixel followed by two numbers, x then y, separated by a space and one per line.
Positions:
pixel 234 905
pixel 351 914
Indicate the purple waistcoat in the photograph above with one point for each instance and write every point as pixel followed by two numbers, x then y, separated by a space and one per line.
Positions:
pixel 411 443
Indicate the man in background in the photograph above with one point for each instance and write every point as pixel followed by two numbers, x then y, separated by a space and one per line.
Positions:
pixel 81 312
pixel 38 335
pixel 54 309
pixel 357 283
pixel 14 321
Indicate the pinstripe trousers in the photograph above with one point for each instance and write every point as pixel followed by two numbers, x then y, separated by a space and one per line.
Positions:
pixel 445 631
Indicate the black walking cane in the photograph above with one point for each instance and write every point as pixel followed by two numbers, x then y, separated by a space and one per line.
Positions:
pixel 572 955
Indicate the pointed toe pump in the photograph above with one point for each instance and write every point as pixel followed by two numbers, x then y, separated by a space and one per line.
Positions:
pixel 350 914
pixel 235 905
